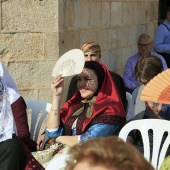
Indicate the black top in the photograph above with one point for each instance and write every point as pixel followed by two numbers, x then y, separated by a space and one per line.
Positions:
pixel 118 82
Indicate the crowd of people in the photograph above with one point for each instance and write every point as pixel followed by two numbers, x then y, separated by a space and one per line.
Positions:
pixel 95 108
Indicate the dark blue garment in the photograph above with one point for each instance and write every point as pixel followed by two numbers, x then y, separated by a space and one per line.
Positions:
pixel 97 130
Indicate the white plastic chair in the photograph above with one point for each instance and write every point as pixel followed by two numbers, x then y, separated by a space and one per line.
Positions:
pixel 36 107
pixel 158 126
pixel 58 163
pixel 128 97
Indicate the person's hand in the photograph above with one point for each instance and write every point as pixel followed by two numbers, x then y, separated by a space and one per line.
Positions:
pixel 39 141
pixel 153 109
pixel 57 86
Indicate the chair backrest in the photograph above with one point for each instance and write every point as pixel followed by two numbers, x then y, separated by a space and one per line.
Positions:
pixel 58 163
pixel 37 107
pixel 158 126
pixel 128 97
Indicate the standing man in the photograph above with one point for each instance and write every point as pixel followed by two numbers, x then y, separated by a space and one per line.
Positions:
pixel 162 39
pixel 92 52
pixel 144 49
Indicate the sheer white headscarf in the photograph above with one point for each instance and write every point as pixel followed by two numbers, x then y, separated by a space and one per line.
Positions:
pixel 7 123
pixel 10 84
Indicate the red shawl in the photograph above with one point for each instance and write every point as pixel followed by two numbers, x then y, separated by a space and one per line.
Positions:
pixel 108 102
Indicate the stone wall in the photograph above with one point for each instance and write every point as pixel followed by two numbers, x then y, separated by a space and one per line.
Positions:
pixel 34 33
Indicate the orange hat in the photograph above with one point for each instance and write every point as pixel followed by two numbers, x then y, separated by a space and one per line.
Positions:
pixel 91 46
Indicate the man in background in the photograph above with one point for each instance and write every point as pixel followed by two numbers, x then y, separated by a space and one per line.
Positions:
pixel 162 39
pixel 144 49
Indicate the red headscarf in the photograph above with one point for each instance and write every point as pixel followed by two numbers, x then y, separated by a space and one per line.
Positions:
pixel 108 102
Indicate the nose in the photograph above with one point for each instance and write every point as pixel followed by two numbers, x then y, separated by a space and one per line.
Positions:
pixel 88 58
pixel 81 84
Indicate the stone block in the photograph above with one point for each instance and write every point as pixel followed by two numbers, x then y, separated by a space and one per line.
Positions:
pixel 86 35
pixel 150 27
pixel 100 36
pixel 45 95
pixel 51 46
pixel 145 12
pixel 116 59
pixel 95 14
pixel 122 36
pixel 127 13
pixel 136 15
pixel 112 59
pixel 116 13
pixel 133 35
pixel 106 9
pixel 21 46
pixel 29 94
pixel 68 40
pixel 81 14
pixel 33 15
pixel 153 11
pixel 112 38
pixel 32 75
pixel 106 59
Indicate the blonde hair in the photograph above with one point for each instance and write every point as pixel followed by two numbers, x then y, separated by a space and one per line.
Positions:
pixel 109 152
pixel 148 67
pixel 91 46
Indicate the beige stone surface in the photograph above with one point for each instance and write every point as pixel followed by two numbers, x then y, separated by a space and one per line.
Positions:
pixel 116 13
pixel 81 13
pixel 127 11
pixel 29 15
pixel 35 33
pixel 106 14
pixel 22 46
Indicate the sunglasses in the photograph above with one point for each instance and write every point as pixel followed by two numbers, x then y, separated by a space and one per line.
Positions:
pixel 143 45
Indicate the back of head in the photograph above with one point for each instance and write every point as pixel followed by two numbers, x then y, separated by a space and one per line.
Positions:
pixel 148 67
pixel 91 46
pixel 109 152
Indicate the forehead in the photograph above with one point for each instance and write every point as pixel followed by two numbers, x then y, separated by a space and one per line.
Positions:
pixel 90 52
pixel 145 40
pixel 87 72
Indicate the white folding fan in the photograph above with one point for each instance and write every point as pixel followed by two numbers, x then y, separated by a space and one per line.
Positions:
pixel 158 89
pixel 70 63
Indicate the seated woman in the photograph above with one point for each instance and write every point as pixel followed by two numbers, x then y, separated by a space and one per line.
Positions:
pixel 20 116
pixel 12 153
pixel 146 69
pixel 94 111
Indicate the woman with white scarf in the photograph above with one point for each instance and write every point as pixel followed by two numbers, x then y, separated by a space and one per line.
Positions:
pixel 12 154
pixel 19 113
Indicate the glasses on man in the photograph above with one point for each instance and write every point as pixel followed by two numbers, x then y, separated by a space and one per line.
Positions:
pixel 143 45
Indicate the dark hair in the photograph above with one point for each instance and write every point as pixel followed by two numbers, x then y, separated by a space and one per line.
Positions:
pixel 97 67
pixel 109 152
pixel 148 67
pixel 168 9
